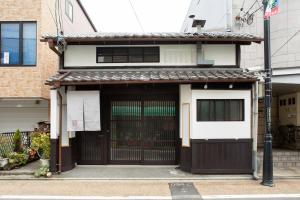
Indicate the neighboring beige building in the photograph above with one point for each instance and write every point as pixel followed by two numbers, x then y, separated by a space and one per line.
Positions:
pixel 25 62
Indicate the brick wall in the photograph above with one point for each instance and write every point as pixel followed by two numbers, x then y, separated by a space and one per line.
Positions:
pixel 28 81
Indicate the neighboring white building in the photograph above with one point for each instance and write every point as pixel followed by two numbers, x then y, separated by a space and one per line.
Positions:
pixel 226 15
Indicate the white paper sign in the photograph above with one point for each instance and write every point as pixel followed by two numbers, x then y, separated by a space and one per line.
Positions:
pixel 185 124
pixel 6 58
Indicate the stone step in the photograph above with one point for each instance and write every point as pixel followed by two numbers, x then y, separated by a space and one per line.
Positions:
pixel 282 153
pixel 283 158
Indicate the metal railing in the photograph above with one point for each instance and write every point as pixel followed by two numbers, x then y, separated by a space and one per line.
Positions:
pixel 6 140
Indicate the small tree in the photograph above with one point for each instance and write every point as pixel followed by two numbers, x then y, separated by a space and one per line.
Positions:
pixel 17 142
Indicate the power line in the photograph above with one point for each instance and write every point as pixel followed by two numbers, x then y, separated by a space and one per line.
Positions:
pixel 54 20
pixel 136 16
pixel 286 42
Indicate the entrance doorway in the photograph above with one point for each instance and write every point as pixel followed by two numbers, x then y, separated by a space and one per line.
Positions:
pixel 143 130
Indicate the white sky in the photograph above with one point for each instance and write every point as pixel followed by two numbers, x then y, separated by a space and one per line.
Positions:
pixel 154 15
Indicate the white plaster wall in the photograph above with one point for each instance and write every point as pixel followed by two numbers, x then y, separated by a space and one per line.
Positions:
pixel 221 54
pixel 170 55
pixel 185 97
pixel 221 130
pixel 22 114
pixel 85 55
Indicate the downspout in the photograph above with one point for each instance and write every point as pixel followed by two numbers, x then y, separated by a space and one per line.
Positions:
pixel 254 129
pixel 60 133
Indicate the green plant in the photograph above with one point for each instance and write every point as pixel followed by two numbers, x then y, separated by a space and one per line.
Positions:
pixel 18 159
pixel 42 171
pixel 5 147
pixel 17 141
pixel 41 143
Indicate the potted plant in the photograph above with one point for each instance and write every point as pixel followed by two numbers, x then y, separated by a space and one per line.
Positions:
pixel 41 143
pixel 5 150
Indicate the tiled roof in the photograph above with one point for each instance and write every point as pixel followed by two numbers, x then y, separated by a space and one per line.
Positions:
pixel 151 75
pixel 201 36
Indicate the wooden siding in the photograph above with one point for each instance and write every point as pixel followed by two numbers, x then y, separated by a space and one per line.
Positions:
pixel 220 156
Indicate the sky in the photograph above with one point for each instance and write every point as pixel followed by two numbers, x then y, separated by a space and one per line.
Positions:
pixel 154 15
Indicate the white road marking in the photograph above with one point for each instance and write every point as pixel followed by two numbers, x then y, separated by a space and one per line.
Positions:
pixel 251 196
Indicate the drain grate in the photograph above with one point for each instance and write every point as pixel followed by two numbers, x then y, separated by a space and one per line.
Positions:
pixel 184 191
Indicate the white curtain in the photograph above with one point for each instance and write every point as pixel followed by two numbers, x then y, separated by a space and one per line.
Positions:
pixel 83 111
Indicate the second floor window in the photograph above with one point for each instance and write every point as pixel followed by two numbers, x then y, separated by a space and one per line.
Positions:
pixel 18 43
pixel 127 54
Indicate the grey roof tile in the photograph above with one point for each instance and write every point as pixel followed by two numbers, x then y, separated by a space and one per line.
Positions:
pixel 151 75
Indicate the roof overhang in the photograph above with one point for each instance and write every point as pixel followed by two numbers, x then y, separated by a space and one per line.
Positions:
pixel 157 38
pixel 151 75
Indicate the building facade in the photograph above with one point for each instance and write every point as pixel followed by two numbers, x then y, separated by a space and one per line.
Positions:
pixel 26 63
pixel 154 99
pixel 247 16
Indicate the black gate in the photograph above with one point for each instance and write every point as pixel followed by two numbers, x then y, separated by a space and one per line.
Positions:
pixel 92 148
pixel 143 130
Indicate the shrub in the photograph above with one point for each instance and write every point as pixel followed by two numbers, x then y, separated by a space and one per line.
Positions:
pixel 41 143
pixel 5 147
pixel 17 142
pixel 17 159
pixel 43 171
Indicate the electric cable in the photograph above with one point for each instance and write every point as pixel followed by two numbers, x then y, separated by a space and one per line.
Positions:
pixel 136 16
pixel 285 43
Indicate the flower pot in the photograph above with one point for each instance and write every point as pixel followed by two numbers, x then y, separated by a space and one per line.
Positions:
pixel 3 162
pixel 44 162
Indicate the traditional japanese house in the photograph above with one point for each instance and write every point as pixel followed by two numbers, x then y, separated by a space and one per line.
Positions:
pixel 162 98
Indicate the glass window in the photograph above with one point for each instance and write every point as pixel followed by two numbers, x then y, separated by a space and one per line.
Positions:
pixel 18 43
pixel 69 10
pixel 220 110
pixel 127 54
pixel 29 44
pixel 203 107
pixel 10 46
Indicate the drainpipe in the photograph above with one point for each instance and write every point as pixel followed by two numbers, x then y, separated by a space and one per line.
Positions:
pixel 60 133
pixel 254 129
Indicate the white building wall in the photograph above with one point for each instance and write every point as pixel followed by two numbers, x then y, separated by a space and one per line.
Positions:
pixel 170 55
pixel 22 114
pixel 216 130
pixel 221 130
pixel 221 54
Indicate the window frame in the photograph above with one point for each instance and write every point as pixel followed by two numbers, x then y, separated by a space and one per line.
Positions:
pixel 212 115
pixel 21 60
pixel 67 4
pixel 128 54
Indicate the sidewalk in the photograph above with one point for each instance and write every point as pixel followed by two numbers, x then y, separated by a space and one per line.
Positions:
pixel 139 172
pixel 142 188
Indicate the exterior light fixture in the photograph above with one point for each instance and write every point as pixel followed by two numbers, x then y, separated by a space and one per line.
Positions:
pixel 231 86
pixel 205 86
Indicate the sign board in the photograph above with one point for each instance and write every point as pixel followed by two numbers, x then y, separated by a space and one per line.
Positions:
pixel 185 124
pixel 6 58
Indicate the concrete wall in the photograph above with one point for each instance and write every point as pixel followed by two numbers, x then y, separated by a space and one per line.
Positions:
pixel 85 55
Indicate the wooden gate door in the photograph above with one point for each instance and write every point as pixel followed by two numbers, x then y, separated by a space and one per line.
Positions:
pixel 92 148
pixel 143 130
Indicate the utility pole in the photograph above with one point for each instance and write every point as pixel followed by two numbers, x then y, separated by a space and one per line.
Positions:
pixel 268 157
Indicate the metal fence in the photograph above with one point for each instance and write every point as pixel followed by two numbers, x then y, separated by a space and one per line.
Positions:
pixel 6 140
